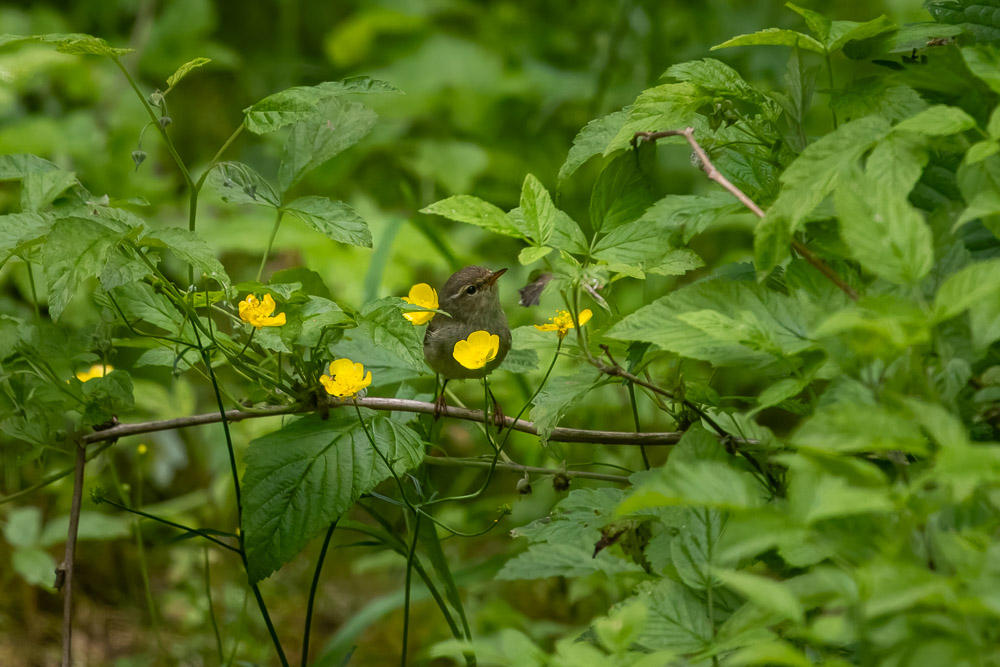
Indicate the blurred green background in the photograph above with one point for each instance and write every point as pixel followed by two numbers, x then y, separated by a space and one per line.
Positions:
pixel 493 91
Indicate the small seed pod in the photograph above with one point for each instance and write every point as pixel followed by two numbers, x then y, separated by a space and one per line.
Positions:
pixel 560 482
pixel 524 486
pixel 138 156
pixel 165 120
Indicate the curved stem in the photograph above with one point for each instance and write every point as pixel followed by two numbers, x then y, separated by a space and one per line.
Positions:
pixel 172 524
pixel 312 594
pixel 406 590
pixel 270 242
pixel 211 609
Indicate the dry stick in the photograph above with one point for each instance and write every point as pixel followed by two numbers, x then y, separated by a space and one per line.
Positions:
pixel 479 463
pixel 560 434
pixel 64 573
pixel 717 176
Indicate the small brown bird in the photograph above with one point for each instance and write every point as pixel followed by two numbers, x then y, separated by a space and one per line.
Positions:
pixel 471 298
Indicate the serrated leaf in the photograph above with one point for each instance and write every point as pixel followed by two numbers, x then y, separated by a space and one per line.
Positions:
pixel 238 183
pixel 818 24
pixel 677 619
pixel 623 190
pixel 978 282
pixel 848 428
pixel 298 103
pixel 564 560
pixel 666 107
pixel 138 301
pixel 983 60
pixel 72 43
pixel 883 231
pixel 335 219
pixel 720 78
pixel 774 37
pixel 552 402
pixel 694 549
pixel 842 32
pixel 18 229
pixel 107 397
pixel 976 17
pixel 532 254
pixel 474 211
pixel 877 96
pixel 904 39
pixel 537 210
pixel 190 248
pixel 591 141
pixel 711 484
pixel 897 162
pixel 335 126
pixel 41 181
pixel 766 593
pixel 75 250
pixel 938 120
pixel 691 214
pixel 301 478
pixel 183 71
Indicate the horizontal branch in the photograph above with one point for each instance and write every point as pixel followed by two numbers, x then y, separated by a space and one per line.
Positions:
pixel 516 467
pixel 559 434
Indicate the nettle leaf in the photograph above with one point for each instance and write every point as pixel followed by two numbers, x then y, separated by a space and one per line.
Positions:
pixel 720 78
pixel 694 548
pixel 725 323
pixel 303 477
pixel 983 60
pixel 766 593
pixel 713 484
pixel 475 211
pixel 842 32
pixel 389 345
pixel 808 181
pixel 298 103
pixel 974 16
pixel 573 559
pixel 75 250
pixel 848 427
pixel 591 141
pixel 883 231
pixel 877 96
pixel 183 71
pixel 190 248
pixel 677 619
pixel 691 214
pixel 897 162
pixel 976 283
pixel 72 43
pixel 938 120
pixel 825 487
pixel 774 37
pixel 335 126
pixel 41 181
pixel 238 183
pixel 670 106
pixel 549 406
pixel 139 301
pixel 107 397
pixel 335 219
pixel 903 39
pixel 20 229
pixel 537 211
pixel 623 191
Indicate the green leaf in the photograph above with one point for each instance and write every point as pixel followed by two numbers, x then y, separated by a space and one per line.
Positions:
pixel 765 593
pixel 335 126
pixel 691 214
pixel 848 428
pixel 976 17
pixel 19 229
pixel 677 619
pixel 818 24
pixel 877 96
pixel 72 43
pixel 300 479
pixel 574 559
pixel 937 121
pixel 41 181
pixel 335 219
pixel 897 162
pixel 92 526
pixel 770 654
pixel 75 249
pixel 622 191
pixel 537 210
pixel 694 547
pixel 842 32
pixel 183 71
pixel 720 78
pixel 188 247
pixel 123 269
pixel 774 37
pixel 552 402
pixel 591 141
pixel 816 493
pixel 23 527
pixel 139 302
pixel 903 39
pixel 983 60
pixel 532 254
pixel 979 282
pixel 883 231
pixel 711 484
pixel 724 323
pixel 474 211
pixel 665 107
pixel 238 183
pixel 107 397
pixel 298 103
pixel 36 566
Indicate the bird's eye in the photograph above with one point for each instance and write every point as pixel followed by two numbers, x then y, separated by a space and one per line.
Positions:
pixel 471 289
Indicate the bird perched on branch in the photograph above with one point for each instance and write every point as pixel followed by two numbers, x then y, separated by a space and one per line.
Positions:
pixel 471 298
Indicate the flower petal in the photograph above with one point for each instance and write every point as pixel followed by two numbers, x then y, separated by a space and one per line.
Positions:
pixel 267 306
pixel 585 316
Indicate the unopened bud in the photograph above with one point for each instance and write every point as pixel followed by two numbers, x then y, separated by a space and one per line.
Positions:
pixel 138 156
pixel 165 120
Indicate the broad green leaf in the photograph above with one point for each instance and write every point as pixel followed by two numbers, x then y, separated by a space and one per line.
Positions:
pixel 391 347
pixel 706 484
pixel 691 214
pixel 984 320
pixel 591 141
pixel 644 245
pixel 139 301
pixel 877 327
pixel 623 190
pixel 23 527
pixel 671 106
pixel 579 516
pixel 123 267
pixel 36 566
pixel 976 17
pixel 981 150
pixel 766 593
pixel 559 393
pixel 877 96
pixel 183 71
pixel 722 322
pixel 897 162
pixel 770 654
pixel 780 391
pixel 983 60
pixel 298 103
pixel 537 210
pixel 303 477
pixel 818 24
pixel 979 282
pixel 815 494
pixel 474 211
pixel 335 126
pixel 883 231
pixel 19 229
pixel 188 247
pixel 574 559
pixel 92 526
pixel 567 235
pixel 774 37
pixel 238 183
pixel 938 120
pixel 677 618
pixel 694 548
pixel 335 219
pixel 72 43
pixel 842 32
pixel 850 428
pixel 720 78
pixel 532 254
pixel 107 397
pixel 75 249
pixel 903 39
pixel 41 181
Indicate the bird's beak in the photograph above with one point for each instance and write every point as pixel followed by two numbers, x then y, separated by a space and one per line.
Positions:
pixel 495 276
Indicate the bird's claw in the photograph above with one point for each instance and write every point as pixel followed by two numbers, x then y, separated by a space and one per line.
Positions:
pixel 499 419
pixel 439 406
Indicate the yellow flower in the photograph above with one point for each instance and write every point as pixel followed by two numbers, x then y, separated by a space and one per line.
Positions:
pixel 95 371
pixel 142 449
pixel 422 295
pixel 258 313
pixel 479 349
pixel 563 322
pixel 346 378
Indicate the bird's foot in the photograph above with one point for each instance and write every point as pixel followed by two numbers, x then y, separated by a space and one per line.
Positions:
pixel 499 419
pixel 439 406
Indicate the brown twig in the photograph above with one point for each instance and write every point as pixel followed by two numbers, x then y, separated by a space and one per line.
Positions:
pixel 64 573
pixel 559 434
pixel 516 467
pixel 717 176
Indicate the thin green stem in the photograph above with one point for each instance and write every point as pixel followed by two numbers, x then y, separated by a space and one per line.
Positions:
pixel 211 608
pixel 34 297
pixel 635 419
pixel 239 633
pixel 406 590
pixel 54 477
pixel 829 73
pixel 179 526
pixel 312 593
pixel 215 160
pixel 270 242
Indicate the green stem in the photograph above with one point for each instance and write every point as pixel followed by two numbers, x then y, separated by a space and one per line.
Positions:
pixel 211 609
pixel 54 477
pixel 215 160
pixel 829 73
pixel 239 633
pixel 406 591
pixel 34 298
pixel 179 526
pixel 635 419
pixel 312 594
pixel 270 242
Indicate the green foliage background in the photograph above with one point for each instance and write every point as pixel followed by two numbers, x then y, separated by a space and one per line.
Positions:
pixel 849 516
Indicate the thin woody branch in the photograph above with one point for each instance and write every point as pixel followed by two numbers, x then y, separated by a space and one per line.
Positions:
pixel 516 467
pixel 64 573
pixel 717 176
pixel 559 434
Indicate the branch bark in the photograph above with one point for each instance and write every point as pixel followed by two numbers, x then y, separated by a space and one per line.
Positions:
pixel 516 467
pixel 559 434
pixel 717 176
pixel 64 573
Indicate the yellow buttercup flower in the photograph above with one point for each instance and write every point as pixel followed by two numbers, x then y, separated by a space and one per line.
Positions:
pixel 95 371
pixel 479 349
pixel 142 449
pixel 563 322
pixel 425 296
pixel 258 313
pixel 346 378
